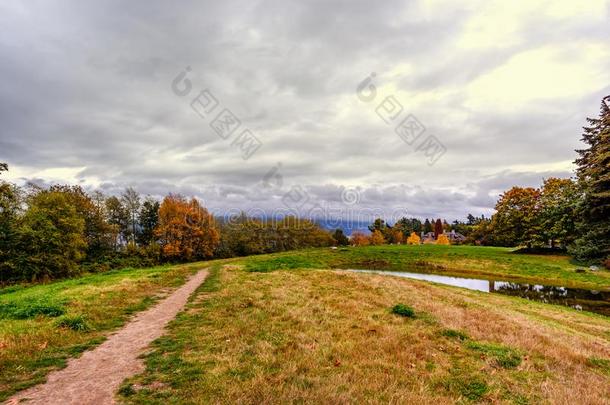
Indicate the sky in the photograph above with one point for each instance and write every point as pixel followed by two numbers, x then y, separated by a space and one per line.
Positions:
pixel 419 108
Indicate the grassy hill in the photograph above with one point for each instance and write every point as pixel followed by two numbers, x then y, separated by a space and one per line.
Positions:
pixel 304 336
pixel 287 328
pixel 470 261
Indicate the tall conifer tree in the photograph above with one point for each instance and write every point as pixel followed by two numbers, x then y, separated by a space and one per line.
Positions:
pixel 594 177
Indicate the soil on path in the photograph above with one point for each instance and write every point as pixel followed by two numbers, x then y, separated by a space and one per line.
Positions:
pixel 94 377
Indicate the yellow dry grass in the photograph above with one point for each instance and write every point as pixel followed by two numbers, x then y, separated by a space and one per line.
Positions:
pixel 310 336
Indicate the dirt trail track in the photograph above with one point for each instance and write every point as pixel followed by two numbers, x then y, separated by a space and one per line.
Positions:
pixel 94 377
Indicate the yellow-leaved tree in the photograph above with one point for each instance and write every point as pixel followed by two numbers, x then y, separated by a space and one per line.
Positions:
pixel 413 239
pixel 443 240
pixel 377 238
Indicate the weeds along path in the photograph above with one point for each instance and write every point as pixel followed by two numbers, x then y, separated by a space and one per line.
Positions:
pixel 94 377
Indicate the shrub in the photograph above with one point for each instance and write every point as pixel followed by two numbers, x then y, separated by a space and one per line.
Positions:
pixel 74 322
pixel 443 240
pixel 403 310
pixel 413 239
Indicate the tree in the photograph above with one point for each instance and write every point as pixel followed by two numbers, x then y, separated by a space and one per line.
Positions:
pixel 427 226
pixel 482 233
pixel 359 239
pixel 517 220
pixel 186 230
pixel 593 174
pixel 11 199
pixel 97 233
pixel 3 167
pixel 148 217
pixel 377 238
pixel 131 202
pixel 340 238
pixel 378 225
pixel 471 219
pixel 413 239
pixel 438 228
pixel 396 236
pixel 558 210
pixel 118 217
pixel 443 240
pixel 51 237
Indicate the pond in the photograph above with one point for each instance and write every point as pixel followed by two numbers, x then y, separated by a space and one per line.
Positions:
pixel 581 299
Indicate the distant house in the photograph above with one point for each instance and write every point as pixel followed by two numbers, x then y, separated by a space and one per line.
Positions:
pixel 454 237
pixel 427 237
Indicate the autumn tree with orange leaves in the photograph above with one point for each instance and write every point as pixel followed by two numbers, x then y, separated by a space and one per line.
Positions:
pixel 186 230
pixel 359 239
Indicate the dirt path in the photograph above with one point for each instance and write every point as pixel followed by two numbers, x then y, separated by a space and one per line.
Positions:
pixel 94 377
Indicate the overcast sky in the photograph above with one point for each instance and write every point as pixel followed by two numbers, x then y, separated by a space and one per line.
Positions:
pixel 87 97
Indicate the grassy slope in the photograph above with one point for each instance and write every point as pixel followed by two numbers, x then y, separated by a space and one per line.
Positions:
pixel 31 347
pixel 472 261
pixel 32 343
pixel 328 337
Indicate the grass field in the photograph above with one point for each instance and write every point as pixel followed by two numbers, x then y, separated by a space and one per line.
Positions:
pixel 280 328
pixel 471 261
pixel 41 326
pixel 304 336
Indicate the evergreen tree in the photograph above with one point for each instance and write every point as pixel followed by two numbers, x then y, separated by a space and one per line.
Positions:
pixel 438 228
pixel 378 225
pixel 427 226
pixel 340 238
pixel 148 218
pixel 594 179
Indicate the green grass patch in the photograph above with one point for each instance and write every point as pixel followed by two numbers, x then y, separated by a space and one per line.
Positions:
pixel 466 261
pixel 403 310
pixel 286 262
pixel 602 364
pixel 454 334
pixel 502 356
pixel 25 309
pixel 76 323
pixel 465 383
pixel 34 320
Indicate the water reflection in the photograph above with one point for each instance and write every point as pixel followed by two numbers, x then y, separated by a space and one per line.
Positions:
pixel 581 299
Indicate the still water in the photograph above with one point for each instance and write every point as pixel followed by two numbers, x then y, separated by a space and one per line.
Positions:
pixel 581 299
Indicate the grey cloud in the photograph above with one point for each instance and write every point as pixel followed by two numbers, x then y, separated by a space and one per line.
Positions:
pixel 88 85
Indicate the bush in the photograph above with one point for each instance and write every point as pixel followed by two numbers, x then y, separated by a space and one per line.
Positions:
pixel 413 239
pixel 443 240
pixel 74 322
pixel 403 310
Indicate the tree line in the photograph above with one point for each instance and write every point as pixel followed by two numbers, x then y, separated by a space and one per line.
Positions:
pixel 60 231
pixel 570 214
